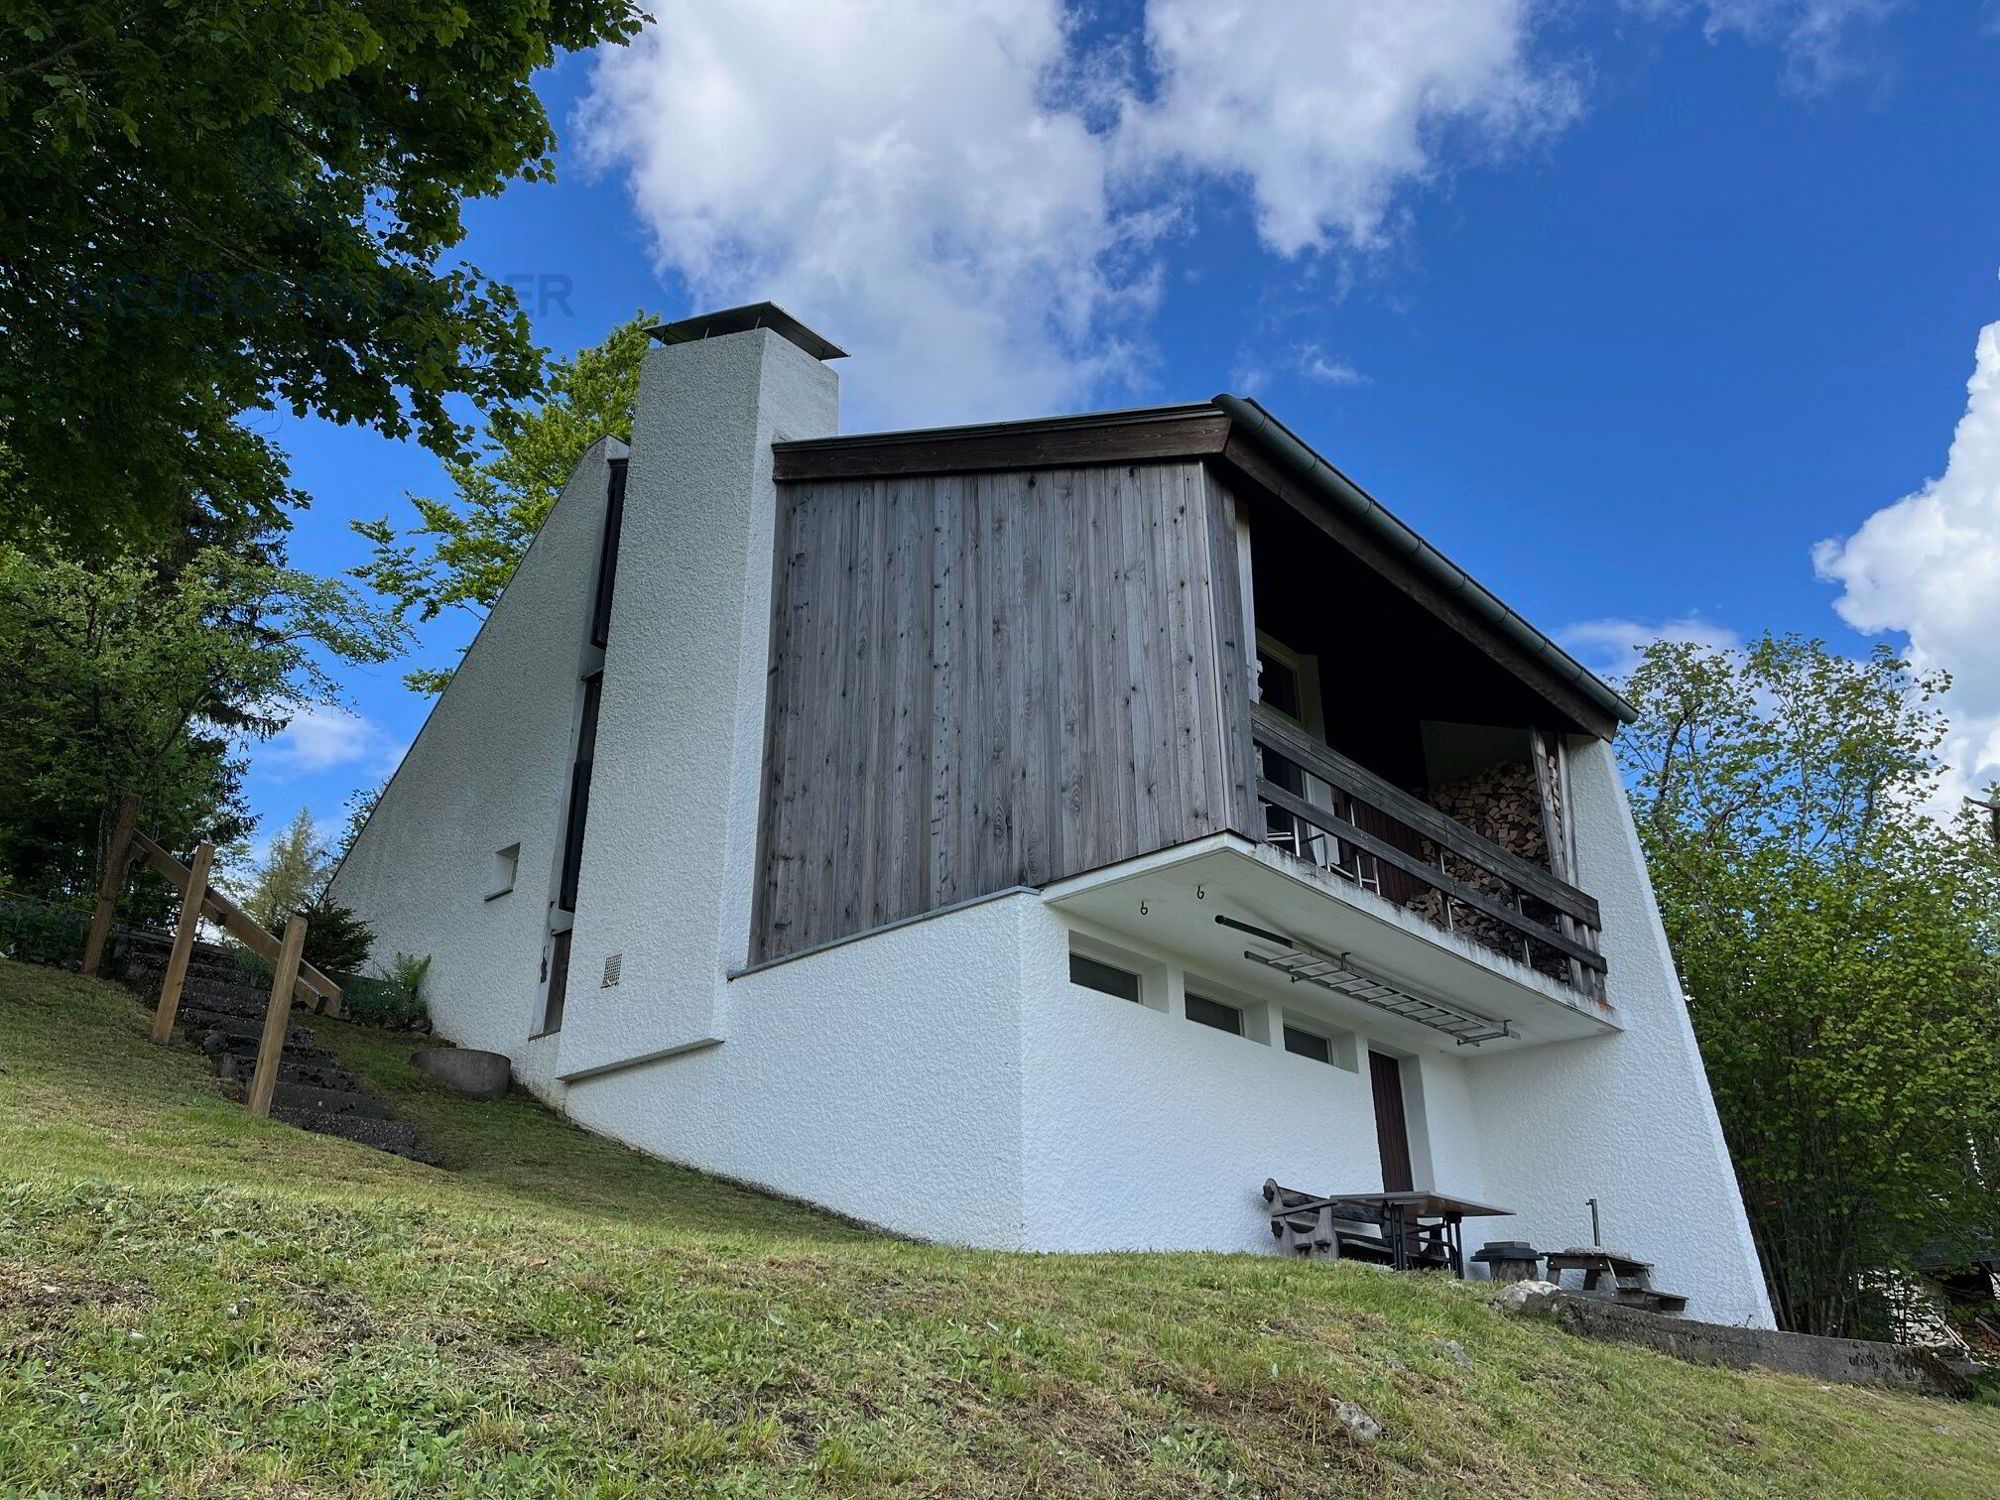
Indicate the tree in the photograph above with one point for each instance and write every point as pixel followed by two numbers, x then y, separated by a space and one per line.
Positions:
pixel 147 675
pixel 465 549
pixel 1839 950
pixel 359 808
pixel 289 877
pixel 221 206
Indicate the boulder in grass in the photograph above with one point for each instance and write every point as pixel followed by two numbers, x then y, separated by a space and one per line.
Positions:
pixel 466 1070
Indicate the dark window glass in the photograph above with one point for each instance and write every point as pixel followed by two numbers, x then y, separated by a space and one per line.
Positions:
pixel 1278 685
pixel 1308 1044
pixel 1214 1013
pixel 1104 978
pixel 607 557
pixel 552 1013
pixel 579 793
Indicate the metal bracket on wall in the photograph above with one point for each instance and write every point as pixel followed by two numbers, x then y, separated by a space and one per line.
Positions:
pixel 1339 973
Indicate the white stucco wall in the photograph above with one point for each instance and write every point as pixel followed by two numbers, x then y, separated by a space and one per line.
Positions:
pixel 490 768
pixel 1455 1137
pixel 1144 1130
pixel 881 1077
pixel 1625 1119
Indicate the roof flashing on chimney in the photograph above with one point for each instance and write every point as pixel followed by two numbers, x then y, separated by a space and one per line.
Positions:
pixel 742 320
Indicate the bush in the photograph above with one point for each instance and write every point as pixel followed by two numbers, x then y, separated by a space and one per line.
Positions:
pixel 35 932
pixel 394 997
pixel 337 941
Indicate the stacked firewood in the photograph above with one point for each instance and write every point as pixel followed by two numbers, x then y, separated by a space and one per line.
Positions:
pixel 1502 804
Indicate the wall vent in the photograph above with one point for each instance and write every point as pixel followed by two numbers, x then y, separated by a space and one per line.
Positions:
pixel 612 966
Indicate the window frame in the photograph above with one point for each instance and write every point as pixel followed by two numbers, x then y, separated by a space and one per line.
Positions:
pixel 1138 978
pixel 505 872
pixel 1325 1053
pixel 1344 1047
pixel 1191 998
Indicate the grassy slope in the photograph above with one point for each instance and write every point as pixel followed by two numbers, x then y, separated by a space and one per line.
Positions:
pixel 193 1302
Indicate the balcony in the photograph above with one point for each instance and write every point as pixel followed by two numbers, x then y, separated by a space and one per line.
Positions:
pixel 1367 906
pixel 1365 830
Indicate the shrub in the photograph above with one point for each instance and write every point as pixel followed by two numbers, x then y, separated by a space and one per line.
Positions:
pixel 35 932
pixel 394 996
pixel 337 941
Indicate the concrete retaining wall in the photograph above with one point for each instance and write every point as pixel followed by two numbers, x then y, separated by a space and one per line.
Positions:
pixel 1843 1361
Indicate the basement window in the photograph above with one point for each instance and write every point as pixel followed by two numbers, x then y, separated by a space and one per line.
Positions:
pixel 1206 1012
pixel 1335 1048
pixel 1308 1044
pixel 506 865
pixel 1106 979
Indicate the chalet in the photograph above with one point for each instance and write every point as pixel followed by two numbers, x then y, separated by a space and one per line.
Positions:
pixel 1037 835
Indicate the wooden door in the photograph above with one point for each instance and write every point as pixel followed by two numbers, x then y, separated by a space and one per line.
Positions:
pixel 1392 1127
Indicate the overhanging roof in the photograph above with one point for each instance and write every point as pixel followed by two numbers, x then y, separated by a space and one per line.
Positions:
pixel 1258 428
pixel 1240 434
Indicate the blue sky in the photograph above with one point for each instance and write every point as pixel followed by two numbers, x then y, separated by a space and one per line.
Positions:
pixel 1626 306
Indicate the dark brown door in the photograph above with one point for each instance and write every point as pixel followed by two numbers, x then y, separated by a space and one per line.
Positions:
pixel 1392 1129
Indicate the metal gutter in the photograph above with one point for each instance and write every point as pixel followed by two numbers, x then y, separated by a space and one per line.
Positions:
pixel 1282 447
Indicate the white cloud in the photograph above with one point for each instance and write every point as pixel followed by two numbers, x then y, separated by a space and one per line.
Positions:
pixel 1929 566
pixel 1610 647
pixel 1324 111
pixel 959 194
pixel 1815 36
pixel 973 199
pixel 1317 365
pixel 319 738
pixel 916 179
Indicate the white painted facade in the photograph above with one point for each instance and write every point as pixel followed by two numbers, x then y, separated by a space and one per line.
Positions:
pixel 943 1078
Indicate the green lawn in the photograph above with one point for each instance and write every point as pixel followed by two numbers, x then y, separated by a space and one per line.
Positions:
pixel 196 1303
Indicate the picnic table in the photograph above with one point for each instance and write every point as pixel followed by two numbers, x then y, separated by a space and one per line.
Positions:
pixel 1421 1226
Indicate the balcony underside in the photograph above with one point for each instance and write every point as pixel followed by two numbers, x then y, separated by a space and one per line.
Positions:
pixel 1170 901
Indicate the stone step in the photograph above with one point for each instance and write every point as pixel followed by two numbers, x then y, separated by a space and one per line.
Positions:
pixel 198 968
pixel 329 1101
pixel 204 1023
pixel 302 1098
pixel 221 966
pixel 243 1049
pixel 384 1135
pixel 320 1072
pixel 244 996
pixel 244 1005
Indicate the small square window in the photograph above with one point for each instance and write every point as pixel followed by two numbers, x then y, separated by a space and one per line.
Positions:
pixel 1308 1044
pixel 1106 979
pixel 1278 686
pixel 1214 1013
pixel 500 875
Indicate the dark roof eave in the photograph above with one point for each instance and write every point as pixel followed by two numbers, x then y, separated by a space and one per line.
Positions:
pixel 1280 446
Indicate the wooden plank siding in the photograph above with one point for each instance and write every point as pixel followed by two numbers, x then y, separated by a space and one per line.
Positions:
pixel 987 679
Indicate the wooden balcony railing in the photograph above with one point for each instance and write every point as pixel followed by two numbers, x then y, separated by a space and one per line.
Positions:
pixel 1378 835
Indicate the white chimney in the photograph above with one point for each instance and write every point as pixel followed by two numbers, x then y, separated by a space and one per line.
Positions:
pixel 671 852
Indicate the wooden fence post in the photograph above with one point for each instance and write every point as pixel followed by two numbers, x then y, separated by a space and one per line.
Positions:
pixel 116 858
pixel 177 961
pixel 278 1017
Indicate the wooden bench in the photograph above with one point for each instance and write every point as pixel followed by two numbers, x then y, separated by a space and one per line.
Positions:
pixel 1338 1229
